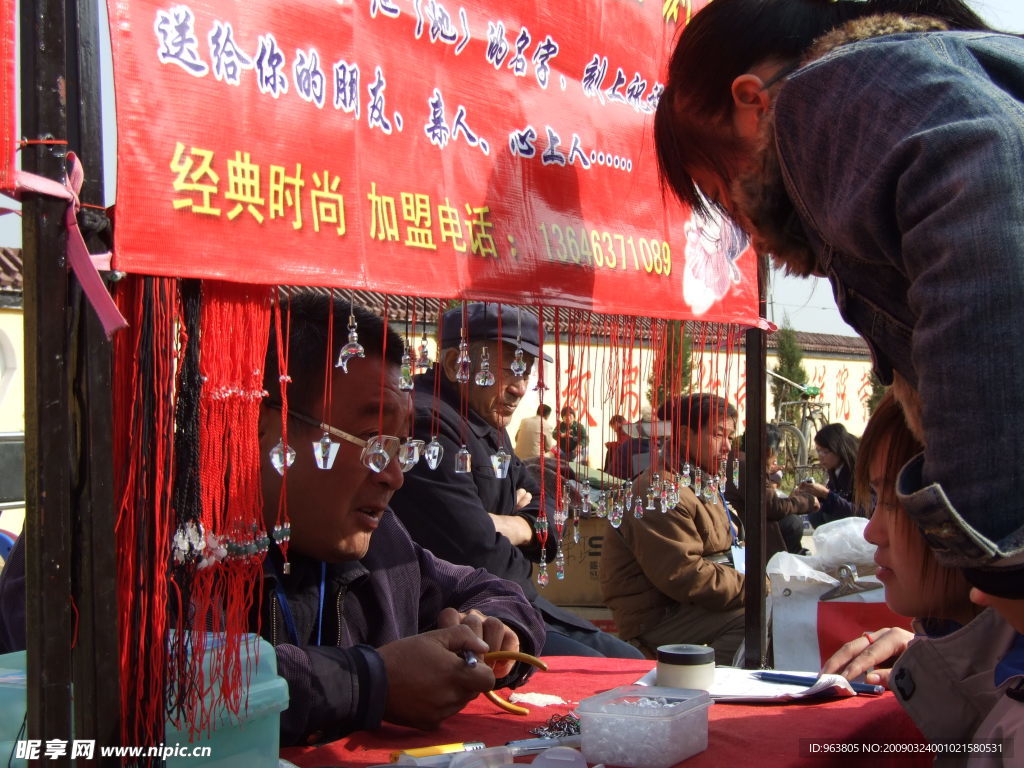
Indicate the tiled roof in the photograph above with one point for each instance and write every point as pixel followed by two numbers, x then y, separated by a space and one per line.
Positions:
pixel 10 270
pixel 400 308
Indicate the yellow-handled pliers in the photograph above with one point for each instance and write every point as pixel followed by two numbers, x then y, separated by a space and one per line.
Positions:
pixel 533 661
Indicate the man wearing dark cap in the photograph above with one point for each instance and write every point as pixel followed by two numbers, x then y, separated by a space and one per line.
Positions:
pixel 479 517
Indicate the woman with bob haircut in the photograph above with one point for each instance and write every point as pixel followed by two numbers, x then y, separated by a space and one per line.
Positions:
pixel 956 650
pixel 880 143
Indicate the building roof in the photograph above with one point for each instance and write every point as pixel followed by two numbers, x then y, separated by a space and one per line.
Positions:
pixel 10 270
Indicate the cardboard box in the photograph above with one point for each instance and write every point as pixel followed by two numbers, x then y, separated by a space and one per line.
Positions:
pixel 581 585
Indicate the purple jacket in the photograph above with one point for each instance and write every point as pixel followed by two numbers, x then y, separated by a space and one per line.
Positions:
pixel 395 591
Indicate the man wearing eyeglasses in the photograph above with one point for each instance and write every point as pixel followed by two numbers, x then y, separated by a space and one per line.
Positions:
pixel 478 505
pixel 367 625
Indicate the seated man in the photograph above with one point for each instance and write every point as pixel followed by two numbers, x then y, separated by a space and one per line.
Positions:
pixel 383 643
pixel 367 626
pixel 668 576
pixel 784 514
pixel 478 518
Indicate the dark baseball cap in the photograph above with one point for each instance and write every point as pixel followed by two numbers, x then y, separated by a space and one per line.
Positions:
pixel 482 325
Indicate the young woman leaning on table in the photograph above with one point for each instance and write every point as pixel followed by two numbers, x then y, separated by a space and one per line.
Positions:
pixel 960 675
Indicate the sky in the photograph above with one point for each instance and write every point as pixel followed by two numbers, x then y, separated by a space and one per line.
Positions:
pixel 804 304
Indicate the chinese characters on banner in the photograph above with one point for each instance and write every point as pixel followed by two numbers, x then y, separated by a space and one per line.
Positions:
pixel 451 148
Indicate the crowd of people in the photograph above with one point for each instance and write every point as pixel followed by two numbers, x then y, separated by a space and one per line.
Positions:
pixel 877 143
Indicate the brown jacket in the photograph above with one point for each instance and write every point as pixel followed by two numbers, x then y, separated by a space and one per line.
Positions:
pixel 652 564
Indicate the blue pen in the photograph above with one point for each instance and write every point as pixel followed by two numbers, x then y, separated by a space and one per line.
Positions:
pixel 807 681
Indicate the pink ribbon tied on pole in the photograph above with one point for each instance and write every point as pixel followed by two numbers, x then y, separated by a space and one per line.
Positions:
pixel 79 259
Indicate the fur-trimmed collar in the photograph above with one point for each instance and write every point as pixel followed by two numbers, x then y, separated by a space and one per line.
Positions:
pixel 763 205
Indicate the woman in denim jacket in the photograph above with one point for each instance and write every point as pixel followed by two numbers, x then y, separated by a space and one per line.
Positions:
pixel 885 152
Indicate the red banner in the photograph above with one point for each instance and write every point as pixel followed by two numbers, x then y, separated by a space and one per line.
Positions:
pixel 451 148
pixel 8 89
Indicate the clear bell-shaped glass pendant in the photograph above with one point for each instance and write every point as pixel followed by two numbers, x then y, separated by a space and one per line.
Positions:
pixel 423 357
pixel 462 373
pixel 698 482
pixel 463 461
pixel 500 462
pixel 433 453
pixel 650 499
pixel 638 508
pixel 484 377
pixel 405 373
pixel 602 504
pixel 576 530
pixel 350 350
pixel 376 458
pixel 560 564
pixel 518 366
pixel 282 456
pixel 409 453
pixel 585 495
pixel 542 572
pixel 687 479
pixel 325 451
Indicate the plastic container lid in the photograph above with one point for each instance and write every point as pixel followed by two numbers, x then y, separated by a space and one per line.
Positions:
pixel 622 702
pixel 686 654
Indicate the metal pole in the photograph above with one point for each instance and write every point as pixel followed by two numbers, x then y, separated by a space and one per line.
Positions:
pixel 47 439
pixel 755 598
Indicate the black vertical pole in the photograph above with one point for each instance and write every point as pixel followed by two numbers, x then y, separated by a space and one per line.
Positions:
pixel 47 440
pixel 95 668
pixel 754 502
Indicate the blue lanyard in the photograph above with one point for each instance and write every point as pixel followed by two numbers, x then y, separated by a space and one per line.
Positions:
pixel 728 519
pixel 286 611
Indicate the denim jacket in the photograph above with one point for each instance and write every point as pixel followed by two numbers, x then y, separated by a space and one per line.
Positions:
pixel 895 163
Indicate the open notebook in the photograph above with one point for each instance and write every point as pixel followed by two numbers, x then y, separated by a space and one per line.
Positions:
pixel 734 684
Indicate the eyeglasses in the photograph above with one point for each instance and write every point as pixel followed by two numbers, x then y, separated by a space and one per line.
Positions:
pixel 377 451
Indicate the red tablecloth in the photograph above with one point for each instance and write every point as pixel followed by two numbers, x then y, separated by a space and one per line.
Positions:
pixel 766 735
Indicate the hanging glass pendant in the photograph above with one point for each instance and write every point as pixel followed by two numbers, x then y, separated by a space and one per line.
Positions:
pixel 698 482
pixel 541 530
pixel 585 494
pixel 462 373
pixel 423 358
pixel 282 456
pixel 484 377
pixel 409 454
pixel 638 508
pixel 576 529
pixel 352 349
pixel 559 563
pixel 710 487
pixel 602 504
pixel 375 457
pixel 687 479
pixel 325 451
pixel 405 373
pixel 500 462
pixel 653 490
pixel 518 366
pixel 433 453
pixel 615 513
pixel 463 460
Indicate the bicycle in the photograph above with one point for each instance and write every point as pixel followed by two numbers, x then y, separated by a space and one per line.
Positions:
pixel 796 449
